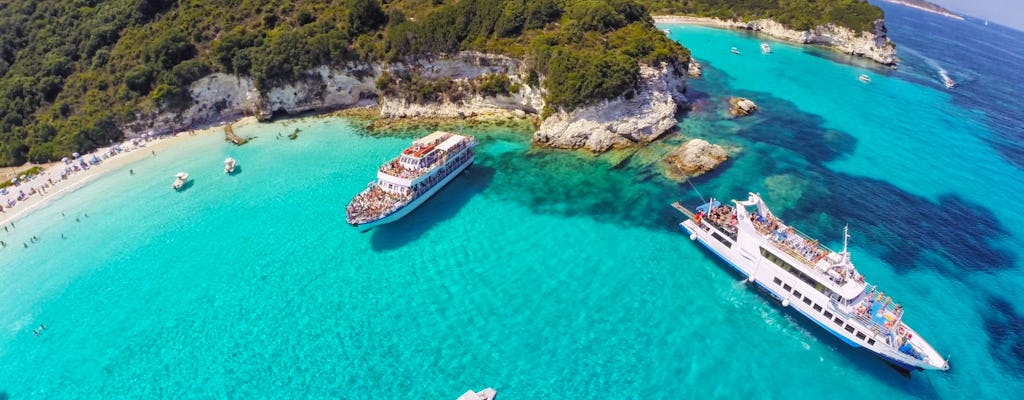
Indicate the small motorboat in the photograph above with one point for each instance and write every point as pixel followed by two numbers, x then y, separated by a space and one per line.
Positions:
pixel 665 30
pixel 486 394
pixel 229 165
pixel 864 78
pixel 735 51
pixel 179 180
pixel 765 48
pixel 946 80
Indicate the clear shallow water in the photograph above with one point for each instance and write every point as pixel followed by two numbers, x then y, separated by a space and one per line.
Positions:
pixel 540 273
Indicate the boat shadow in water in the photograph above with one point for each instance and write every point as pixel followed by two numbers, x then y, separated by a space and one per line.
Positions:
pixel 237 171
pixel 186 185
pixel 858 358
pixel 444 205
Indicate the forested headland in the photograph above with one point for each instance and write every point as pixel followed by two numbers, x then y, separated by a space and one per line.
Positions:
pixel 794 14
pixel 72 71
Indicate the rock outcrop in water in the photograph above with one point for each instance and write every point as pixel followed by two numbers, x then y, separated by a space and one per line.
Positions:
pixel 693 158
pixel 622 122
pixel 625 121
pixel 741 107
pixel 874 44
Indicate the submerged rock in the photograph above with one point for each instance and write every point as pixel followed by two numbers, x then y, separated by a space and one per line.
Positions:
pixel 693 158
pixel 741 107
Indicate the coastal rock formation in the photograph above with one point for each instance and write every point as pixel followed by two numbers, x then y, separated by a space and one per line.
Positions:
pixel 741 107
pixel 462 68
pixel 694 71
pixel 624 121
pixel 874 44
pixel 693 158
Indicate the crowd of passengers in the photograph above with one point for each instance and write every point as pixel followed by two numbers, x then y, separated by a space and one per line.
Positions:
pixel 374 202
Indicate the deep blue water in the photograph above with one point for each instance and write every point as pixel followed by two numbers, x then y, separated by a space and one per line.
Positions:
pixel 547 273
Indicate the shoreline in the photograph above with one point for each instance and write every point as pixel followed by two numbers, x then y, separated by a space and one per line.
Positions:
pixel 80 179
pixel 768 27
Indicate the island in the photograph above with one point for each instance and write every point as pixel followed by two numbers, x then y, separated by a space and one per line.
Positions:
pixel 927 6
pixel 594 74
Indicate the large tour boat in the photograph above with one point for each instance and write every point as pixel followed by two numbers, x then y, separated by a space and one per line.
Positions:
pixel 799 272
pixel 407 181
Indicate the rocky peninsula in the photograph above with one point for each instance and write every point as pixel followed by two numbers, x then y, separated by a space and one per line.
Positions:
pixel 927 6
pixel 874 45
pixel 631 120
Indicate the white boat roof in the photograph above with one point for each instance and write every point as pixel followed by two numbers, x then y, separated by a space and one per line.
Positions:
pixel 433 137
pixel 450 142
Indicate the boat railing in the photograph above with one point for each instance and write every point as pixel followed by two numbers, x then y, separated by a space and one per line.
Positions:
pixel 864 318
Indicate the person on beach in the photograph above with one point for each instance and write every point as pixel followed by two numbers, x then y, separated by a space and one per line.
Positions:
pixel 153 151
pixel 131 172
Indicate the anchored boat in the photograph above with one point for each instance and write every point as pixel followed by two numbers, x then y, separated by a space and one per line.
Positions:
pixel 799 272
pixel 179 180
pixel 407 181
pixel 229 165
pixel 486 394
pixel 765 48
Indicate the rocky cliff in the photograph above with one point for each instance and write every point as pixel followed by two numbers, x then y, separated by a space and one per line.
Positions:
pixel 622 122
pixel 625 121
pixel 874 44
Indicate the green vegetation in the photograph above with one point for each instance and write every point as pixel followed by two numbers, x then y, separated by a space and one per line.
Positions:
pixel 796 14
pixel 73 71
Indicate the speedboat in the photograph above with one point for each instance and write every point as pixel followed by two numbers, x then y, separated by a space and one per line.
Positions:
pixel 735 51
pixel 864 78
pixel 946 80
pixel 229 165
pixel 486 394
pixel 179 180
pixel 765 48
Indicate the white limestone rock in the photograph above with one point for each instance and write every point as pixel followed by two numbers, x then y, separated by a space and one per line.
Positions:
pixel 621 122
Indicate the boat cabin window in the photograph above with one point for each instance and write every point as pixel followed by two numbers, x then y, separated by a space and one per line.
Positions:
pixel 721 239
pixel 871 342
pixel 849 328
pixel 777 281
pixel 795 272
pixel 817 307
pixel 797 293
pixel 838 321
pixel 786 287
pixel 807 300
pixel 861 336
pixel 828 314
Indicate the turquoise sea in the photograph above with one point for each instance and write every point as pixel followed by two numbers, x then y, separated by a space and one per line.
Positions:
pixel 541 273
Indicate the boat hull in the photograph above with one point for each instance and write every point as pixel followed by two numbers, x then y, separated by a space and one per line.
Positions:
pixel 408 208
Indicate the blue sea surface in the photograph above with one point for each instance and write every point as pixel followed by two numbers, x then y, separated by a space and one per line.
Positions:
pixel 548 273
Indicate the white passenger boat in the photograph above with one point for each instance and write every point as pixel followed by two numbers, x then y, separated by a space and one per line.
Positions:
pixel 486 394
pixel 765 48
pixel 407 181
pixel 819 283
pixel 864 78
pixel 229 165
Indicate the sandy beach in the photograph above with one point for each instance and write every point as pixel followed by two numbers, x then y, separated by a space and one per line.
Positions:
pixel 79 179
pixel 684 19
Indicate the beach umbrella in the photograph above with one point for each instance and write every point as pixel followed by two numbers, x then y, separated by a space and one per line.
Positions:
pixel 75 155
pixel 14 180
pixel 22 177
pixel 65 159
